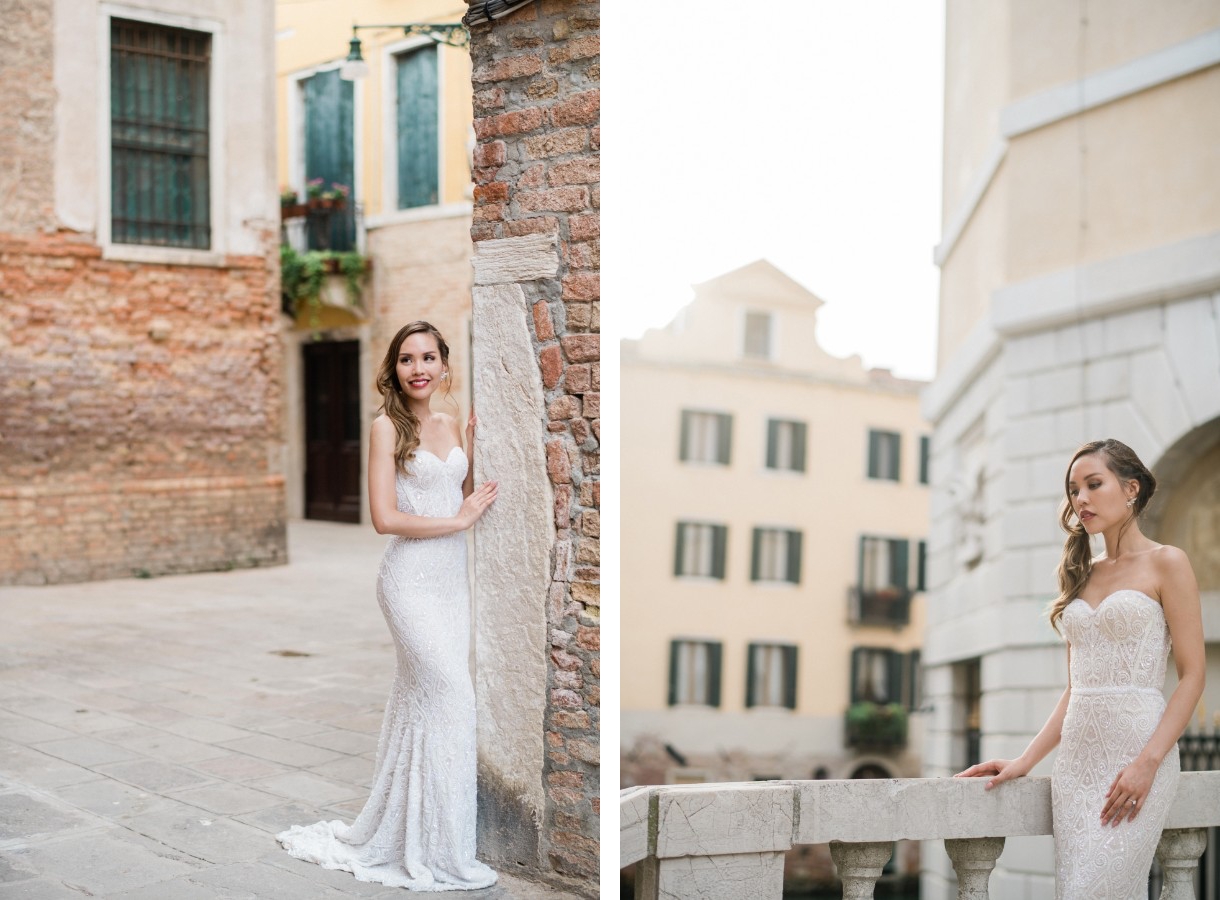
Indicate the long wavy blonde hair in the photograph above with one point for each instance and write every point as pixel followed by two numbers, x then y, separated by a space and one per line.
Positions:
pixel 394 402
pixel 1076 564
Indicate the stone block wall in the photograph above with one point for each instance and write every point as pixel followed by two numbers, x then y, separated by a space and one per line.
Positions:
pixel 140 419
pixel 536 170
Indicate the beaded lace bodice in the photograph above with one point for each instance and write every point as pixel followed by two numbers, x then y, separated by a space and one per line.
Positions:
pixel 1118 657
pixel 1123 643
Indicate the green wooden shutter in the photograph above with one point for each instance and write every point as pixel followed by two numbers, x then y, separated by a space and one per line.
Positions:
pixel 714 652
pixel 874 454
pixel 330 149
pixel 679 548
pixel 921 571
pixel 724 435
pixel 673 673
pixel 893 671
pixel 798 446
pixel 899 567
pixel 924 452
pixel 860 565
pixel 896 466
pixel 418 131
pixel 855 674
pixel 911 688
pixel 794 557
pixel 790 677
pixel 750 650
pixel 720 534
pixel 684 437
pixel 756 555
pixel 772 440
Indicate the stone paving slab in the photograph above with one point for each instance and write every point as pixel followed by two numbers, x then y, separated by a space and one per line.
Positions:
pixel 155 734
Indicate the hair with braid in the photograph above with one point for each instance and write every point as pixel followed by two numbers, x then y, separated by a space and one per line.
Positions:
pixel 1076 564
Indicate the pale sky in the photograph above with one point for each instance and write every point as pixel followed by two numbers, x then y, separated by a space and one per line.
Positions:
pixel 805 132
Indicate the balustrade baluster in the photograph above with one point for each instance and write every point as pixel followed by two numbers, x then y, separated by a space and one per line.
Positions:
pixel 860 866
pixel 973 859
pixel 1178 853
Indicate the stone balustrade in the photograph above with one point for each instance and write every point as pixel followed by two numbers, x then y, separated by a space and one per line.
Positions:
pixel 727 841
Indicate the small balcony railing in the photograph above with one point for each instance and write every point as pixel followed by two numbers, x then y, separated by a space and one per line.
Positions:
pixel 887 606
pixel 727 841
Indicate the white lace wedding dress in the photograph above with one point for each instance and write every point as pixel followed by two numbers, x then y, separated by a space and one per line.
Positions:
pixel 417 829
pixel 1119 651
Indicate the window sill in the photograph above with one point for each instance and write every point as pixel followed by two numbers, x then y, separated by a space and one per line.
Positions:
pixel 169 256
pixel 704 463
pixel 418 214
pixel 775 584
pixel 876 479
pixel 782 473
pixel 700 579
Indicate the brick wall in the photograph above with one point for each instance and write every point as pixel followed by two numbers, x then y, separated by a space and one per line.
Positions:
pixel 536 107
pixel 139 414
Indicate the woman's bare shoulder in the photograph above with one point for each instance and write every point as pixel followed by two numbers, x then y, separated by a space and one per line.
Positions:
pixel 1170 560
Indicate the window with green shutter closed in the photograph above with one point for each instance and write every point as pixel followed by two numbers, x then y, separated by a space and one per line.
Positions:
pixel 159 134
pixel 330 152
pixel 418 128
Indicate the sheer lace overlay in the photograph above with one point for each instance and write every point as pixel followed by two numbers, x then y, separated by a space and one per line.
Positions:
pixel 1119 652
pixel 417 829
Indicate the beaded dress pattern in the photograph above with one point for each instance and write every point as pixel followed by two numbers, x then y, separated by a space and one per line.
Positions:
pixel 417 829
pixel 1119 653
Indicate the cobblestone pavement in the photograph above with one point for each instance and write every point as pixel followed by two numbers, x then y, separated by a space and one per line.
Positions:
pixel 155 734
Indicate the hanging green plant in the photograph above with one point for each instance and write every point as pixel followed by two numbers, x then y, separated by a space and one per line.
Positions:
pixel 302 276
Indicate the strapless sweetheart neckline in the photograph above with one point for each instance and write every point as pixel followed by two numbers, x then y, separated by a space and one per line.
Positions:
pixel 444 458
pixel 1102 603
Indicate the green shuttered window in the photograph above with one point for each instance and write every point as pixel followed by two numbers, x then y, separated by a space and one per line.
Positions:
pixel 884 448
pixel 418 128
pixel 771 675
pixel 159 132
pixel 694 673
pixel 699 549
pixel 706 437
pixel 330 153
pixel 785 445
pixel 776 555
pixel 882 675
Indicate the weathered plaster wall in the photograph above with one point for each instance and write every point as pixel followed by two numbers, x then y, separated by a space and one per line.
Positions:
pixel 536 105
pixel 27 116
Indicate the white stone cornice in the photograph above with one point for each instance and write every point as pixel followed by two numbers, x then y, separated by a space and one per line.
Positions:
pixel 1132 77
pixel 1161 274
pixel 981 346
pixel 1164 273
pixel 974 196
pixel 1065 100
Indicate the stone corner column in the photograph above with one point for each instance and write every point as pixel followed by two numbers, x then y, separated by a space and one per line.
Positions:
pixel 512 553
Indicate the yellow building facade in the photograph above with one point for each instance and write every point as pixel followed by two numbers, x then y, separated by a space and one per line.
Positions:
pixel 773 515
pixel 398 138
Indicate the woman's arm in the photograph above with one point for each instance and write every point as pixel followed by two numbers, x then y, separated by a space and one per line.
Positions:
pixel 1180 600
pixel 383 497
pixel 468 484
pixel 1043 743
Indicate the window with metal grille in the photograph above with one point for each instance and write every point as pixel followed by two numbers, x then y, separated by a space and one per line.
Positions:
pixel 756 342
pixel 786 445
pixel 159 132
pixel 694 673
pixel 771 676
pixel 699 549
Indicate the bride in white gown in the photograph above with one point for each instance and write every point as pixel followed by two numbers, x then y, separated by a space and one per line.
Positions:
pixel 1115 775
pixel 417 829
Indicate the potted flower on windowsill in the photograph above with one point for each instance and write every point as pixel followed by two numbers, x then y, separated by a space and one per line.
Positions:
pixel 876 725
pixel 289 205
pixel 336 196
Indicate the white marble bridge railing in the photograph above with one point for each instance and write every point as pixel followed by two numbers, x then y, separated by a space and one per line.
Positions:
pixel 727 841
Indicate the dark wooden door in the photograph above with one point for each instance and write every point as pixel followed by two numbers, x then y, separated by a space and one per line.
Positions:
pixel 332 431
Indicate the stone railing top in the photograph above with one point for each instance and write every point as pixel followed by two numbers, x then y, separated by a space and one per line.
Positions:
pixel 669 821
